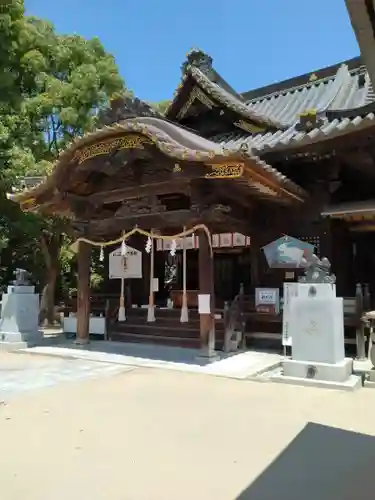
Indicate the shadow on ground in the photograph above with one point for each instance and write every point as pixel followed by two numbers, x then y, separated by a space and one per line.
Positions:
pixel 154 352
pixel 321 463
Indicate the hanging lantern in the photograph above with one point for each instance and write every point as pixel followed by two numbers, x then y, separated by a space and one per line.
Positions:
pixel 148 245
pixel 101 256
pixel 173 248
pixel 124 249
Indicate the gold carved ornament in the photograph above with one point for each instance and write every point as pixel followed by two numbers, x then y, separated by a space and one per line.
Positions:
pixel 225 171
pixel 249 127
pixel 106 147
pixel 28 204
pixel 195 94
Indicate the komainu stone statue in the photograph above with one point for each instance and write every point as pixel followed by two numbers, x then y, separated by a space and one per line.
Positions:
pixel 317 271
pixel 21 276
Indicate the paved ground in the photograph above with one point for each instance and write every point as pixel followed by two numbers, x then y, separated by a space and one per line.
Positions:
pixel 22 373
pixel 152 434
pixel 235 365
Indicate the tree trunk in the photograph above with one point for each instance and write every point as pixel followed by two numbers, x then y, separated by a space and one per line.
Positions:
pixel 51 250
pixel 47 301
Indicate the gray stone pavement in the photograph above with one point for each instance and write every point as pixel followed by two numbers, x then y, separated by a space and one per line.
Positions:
pixel 20 373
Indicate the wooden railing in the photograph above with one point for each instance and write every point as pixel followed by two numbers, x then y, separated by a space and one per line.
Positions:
pixel 234 322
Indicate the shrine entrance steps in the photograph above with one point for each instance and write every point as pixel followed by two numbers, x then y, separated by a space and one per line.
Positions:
pixel 166 330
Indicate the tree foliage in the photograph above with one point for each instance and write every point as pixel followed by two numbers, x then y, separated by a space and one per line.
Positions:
pixel 51 89
pixel 161 106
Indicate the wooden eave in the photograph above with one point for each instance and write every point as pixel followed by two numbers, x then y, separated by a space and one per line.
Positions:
pixel 244 170
pixel 195 85
pixel 362 17
pixel 359 211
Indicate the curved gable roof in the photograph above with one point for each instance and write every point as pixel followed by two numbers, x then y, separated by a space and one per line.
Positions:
pixel 219 91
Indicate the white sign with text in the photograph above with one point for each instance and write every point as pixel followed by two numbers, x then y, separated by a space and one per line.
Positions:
pixel 127 266
pixel 267 300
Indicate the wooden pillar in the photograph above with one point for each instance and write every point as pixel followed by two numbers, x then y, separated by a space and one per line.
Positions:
pixel 83 293
pixel 151 298
pixel 254 261
pixel 206 287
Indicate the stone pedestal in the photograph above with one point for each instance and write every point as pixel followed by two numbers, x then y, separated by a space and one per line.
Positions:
pixel 19 323
pixel 317 329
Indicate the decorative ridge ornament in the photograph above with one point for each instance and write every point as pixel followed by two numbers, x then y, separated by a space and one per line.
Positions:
pixel 309 120
pixel 125 107
pixel 317 271
pixel 198 58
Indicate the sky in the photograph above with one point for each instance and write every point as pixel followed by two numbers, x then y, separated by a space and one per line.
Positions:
pixel 252 42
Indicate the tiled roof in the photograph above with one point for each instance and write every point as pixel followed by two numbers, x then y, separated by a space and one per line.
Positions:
pixel 223 96
pixel 234 103
pixel 345 90
pixel 262 143
pixel 179 144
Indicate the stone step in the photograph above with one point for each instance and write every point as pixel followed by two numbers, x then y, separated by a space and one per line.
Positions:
pixel 171 322
pixel 193 343
pixel 167 313
pixel 155 330
pixel 177 331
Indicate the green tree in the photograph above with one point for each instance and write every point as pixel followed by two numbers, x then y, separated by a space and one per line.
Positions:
pixel 161 106
pixel 63 80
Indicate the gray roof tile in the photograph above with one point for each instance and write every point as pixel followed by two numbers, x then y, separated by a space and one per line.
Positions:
pixel 283 139
pixel 345 90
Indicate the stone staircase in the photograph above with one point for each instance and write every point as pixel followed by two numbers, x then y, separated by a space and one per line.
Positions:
pixel 166 330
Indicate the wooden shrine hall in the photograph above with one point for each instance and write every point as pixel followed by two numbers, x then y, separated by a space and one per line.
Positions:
pixel 295 158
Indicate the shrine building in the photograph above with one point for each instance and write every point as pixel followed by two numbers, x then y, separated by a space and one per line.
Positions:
pixel 201 190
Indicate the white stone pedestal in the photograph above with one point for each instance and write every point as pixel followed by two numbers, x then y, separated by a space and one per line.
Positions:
pixel 337 372
pixel 19 323
pixel 316 326
pixel 317 329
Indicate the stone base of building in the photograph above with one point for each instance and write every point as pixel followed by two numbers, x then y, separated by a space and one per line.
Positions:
pixel 353 383
pixel 334 376
pixel 328 372
pixel 12 346
pixel 30 338
pixel 207 355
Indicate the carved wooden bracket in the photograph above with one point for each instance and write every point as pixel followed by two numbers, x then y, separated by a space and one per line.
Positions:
pixel 145 205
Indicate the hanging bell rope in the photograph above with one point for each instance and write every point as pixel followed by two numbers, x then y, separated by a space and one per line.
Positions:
pixel 137 230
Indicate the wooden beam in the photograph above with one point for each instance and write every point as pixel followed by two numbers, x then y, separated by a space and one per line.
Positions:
pixel 126 193
pixel 235 194
pixel 154 220
pixel 163 221
pixel 362 228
